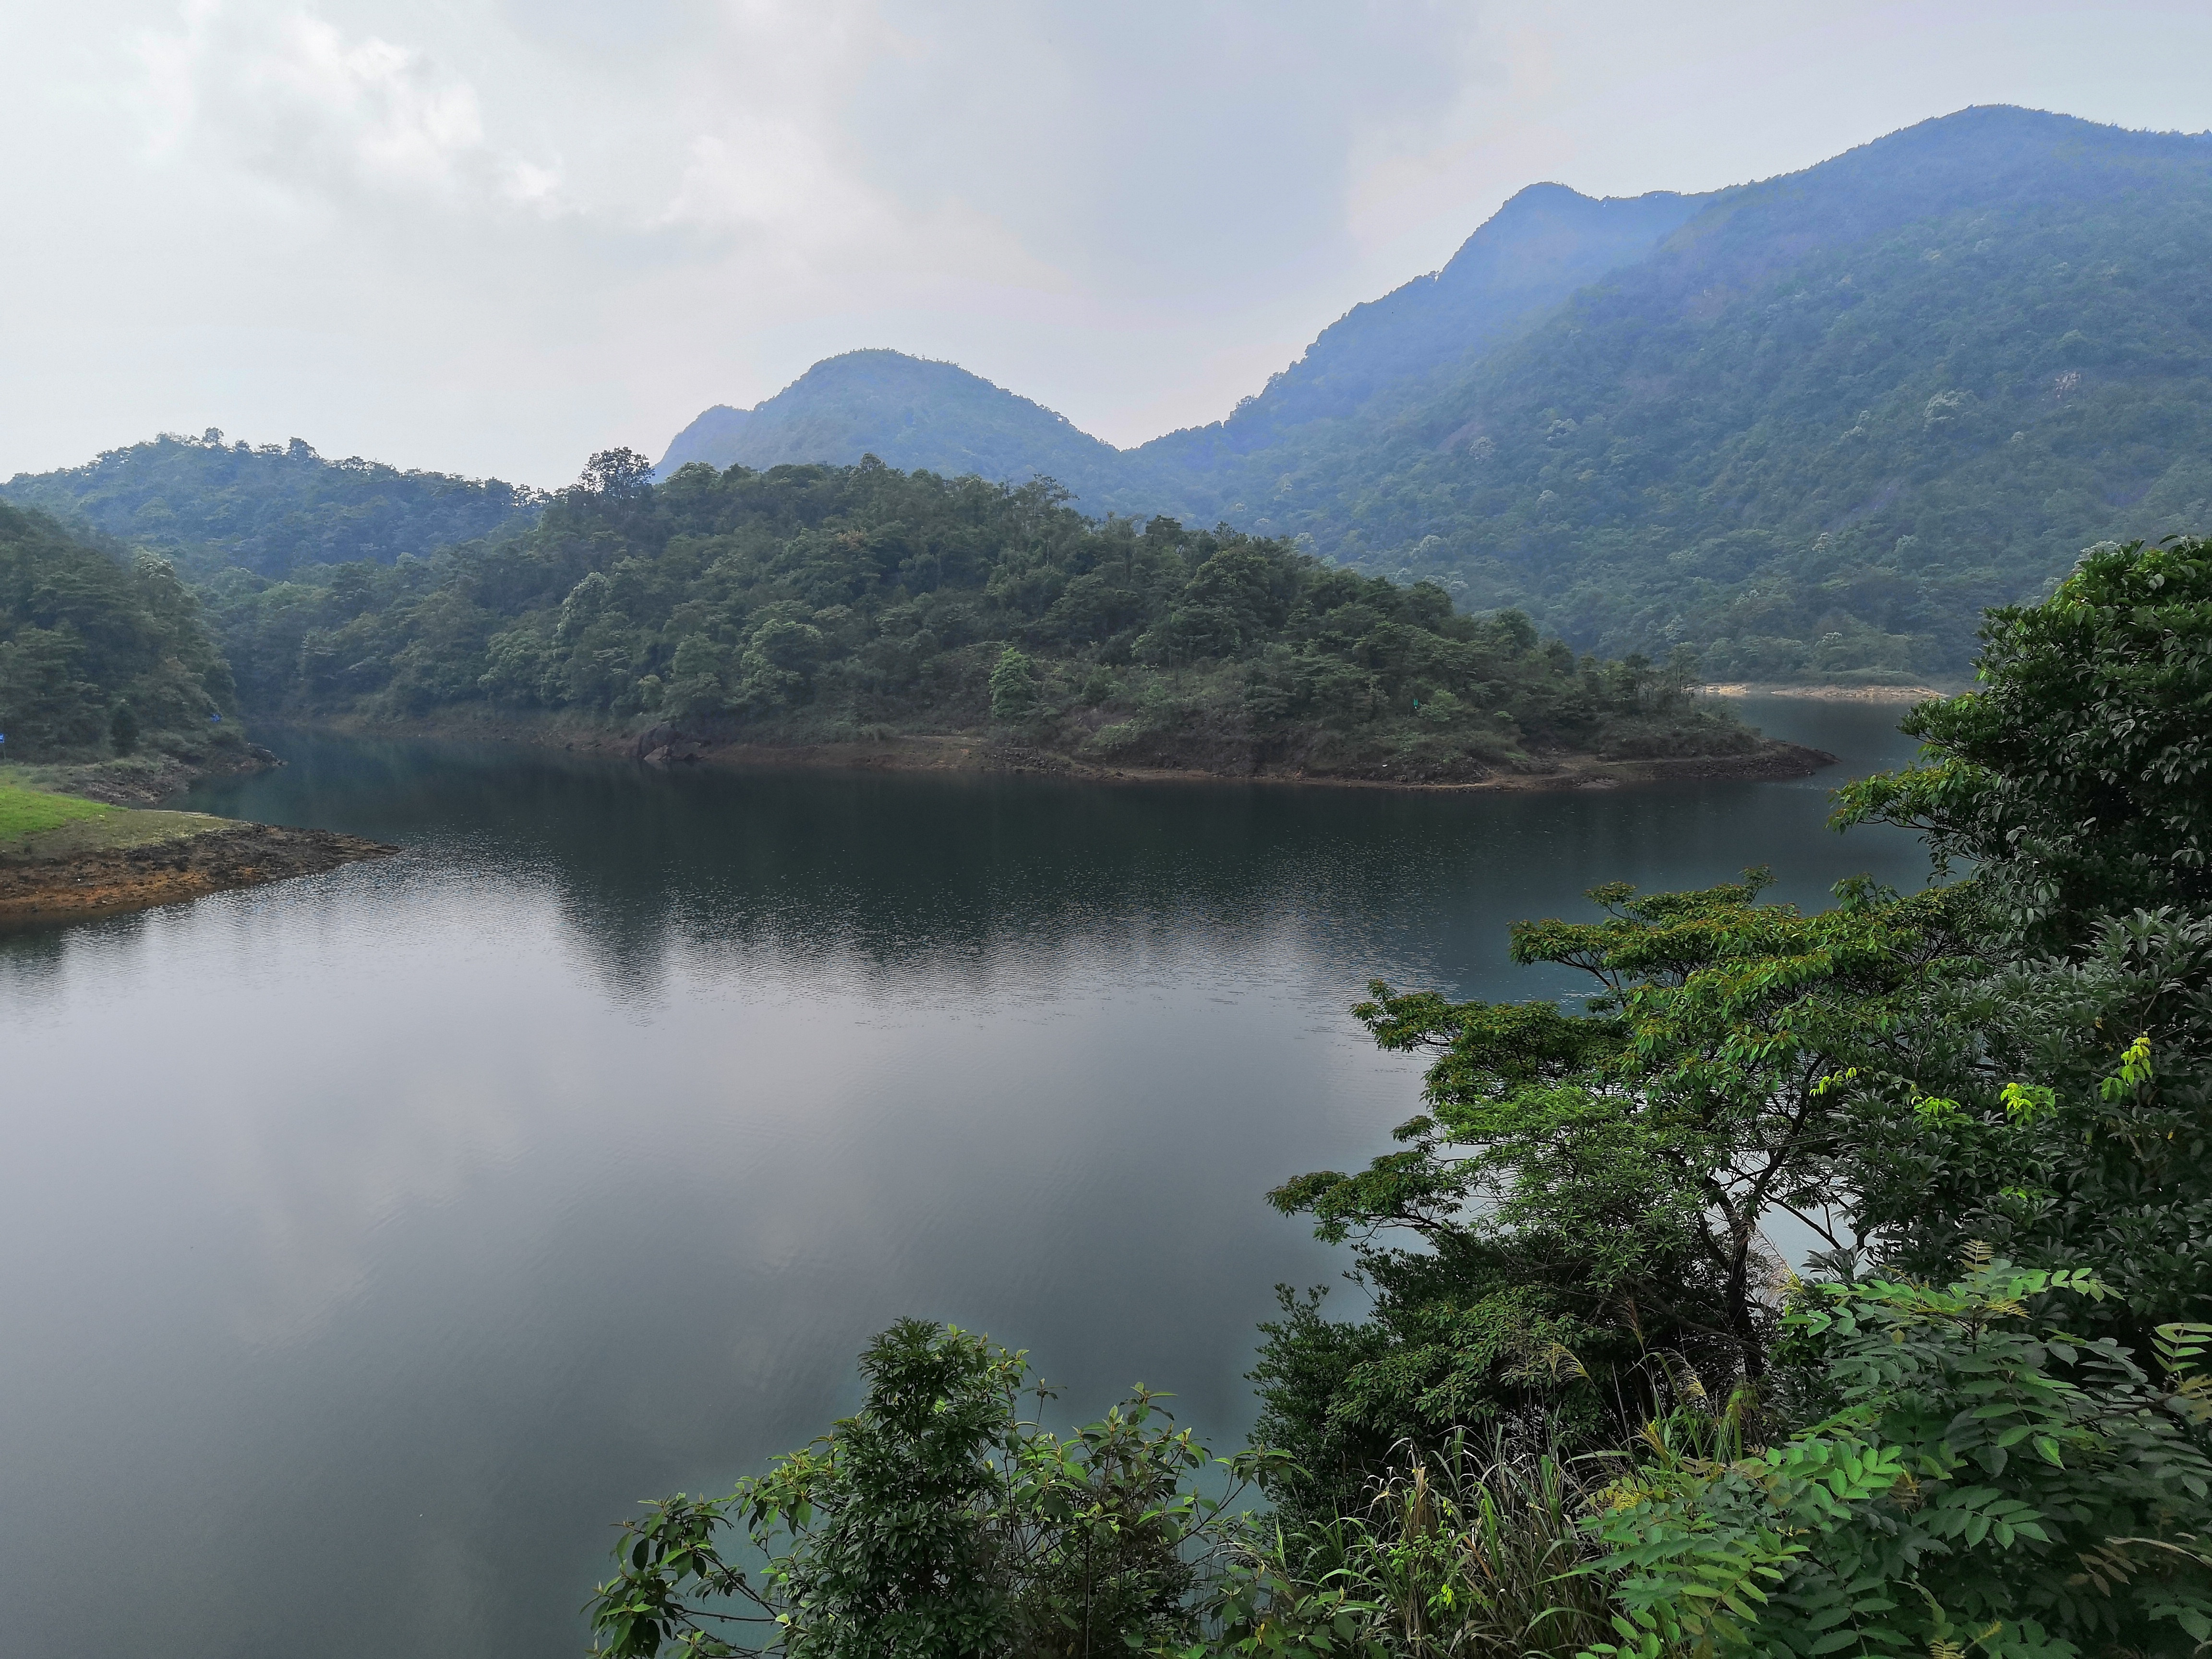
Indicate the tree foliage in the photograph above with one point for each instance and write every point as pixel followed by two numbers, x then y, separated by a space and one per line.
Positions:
pixel 1990 1483
pixel 819 603
pixel 206 505
pixel 2076 778
pixel 96 647
pixel 936 1523
pixel 1587 1190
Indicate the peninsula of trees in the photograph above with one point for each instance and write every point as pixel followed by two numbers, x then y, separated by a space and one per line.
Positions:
pixel 809 605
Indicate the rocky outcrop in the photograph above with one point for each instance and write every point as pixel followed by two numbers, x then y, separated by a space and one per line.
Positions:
pixel 664 744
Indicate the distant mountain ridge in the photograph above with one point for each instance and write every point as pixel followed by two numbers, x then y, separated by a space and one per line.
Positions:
pixel 1527 257
pixel 1810 425
pixel 913 413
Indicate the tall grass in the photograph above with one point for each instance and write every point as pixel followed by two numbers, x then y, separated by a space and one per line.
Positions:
pixel 1470 1551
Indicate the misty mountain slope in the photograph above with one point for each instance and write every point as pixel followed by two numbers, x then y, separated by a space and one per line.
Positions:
pixel 1831 419
pixel 915 414
pixel 1536 251
pixel 208 505
pixel 1539 248
pixel 713 437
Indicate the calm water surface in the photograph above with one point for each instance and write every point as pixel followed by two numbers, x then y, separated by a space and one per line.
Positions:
pixel 369 1243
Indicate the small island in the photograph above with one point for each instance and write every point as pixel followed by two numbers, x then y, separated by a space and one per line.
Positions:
pixel 64 858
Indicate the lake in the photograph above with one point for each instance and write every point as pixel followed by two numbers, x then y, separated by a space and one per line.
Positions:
pixel 372 1242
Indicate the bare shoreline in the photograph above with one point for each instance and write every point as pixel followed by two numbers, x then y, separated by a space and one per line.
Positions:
pixel 1903 694
pixel 976 753
pixel 98 868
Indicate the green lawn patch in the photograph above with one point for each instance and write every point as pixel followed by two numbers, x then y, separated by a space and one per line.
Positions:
pixel 28 811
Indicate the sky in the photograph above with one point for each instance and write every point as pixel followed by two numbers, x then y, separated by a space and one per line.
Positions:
pixel 492 236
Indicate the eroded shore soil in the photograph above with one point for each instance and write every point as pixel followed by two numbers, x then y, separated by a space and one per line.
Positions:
pixel 132 860
pixel 1771 759
pixel 670 745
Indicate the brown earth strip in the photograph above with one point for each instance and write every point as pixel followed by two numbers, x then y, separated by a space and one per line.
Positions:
pixel 54 881
pixel 915 751
pixel 1771 759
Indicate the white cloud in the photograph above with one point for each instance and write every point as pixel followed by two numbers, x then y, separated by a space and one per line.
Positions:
pixel 297 100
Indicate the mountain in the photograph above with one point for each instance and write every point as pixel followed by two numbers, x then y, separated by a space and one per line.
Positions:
pixel 208 505
pixel 1826 422
pixel 911 413
pixel 1810 426
pixel 1525 260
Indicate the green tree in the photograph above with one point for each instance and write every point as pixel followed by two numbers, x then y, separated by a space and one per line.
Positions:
pixel 2074 1069
pixel 2078 778
pixel 936 1522
pixel 122 727
pixel 1013 687
pixel 83 626
pixel 1588 1190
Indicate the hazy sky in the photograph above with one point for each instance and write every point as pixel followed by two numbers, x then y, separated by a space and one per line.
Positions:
pixel 489 236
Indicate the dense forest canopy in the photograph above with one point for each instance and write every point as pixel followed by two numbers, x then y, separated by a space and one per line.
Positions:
pixel 206 505
pixel 821 602
pixel 90 632
pixel 1809 427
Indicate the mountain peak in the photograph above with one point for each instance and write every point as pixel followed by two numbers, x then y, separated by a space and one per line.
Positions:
pixel 915 413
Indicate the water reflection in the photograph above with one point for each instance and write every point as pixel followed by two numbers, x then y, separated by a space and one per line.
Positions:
pixel 382 1235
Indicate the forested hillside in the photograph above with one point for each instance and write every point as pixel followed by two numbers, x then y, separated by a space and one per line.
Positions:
pixel 812 604
pixel 207 505
pixel 100 651
pixel 1808 427
pixel 1835 417
pixel 1523 262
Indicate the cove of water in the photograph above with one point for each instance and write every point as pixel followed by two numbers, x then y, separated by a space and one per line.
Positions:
pixel 370 1242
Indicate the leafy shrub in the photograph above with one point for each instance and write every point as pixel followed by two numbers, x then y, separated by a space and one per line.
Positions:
pixel 936 1523
pixel 1990 1483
